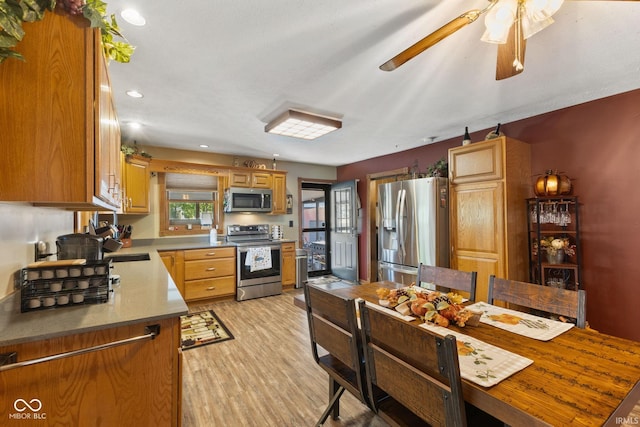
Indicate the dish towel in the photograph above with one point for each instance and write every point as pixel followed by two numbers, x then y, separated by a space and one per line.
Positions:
pixel 258 258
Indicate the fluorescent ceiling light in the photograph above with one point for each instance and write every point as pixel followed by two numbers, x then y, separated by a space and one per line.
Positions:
pixel 298 124
pixel 204 146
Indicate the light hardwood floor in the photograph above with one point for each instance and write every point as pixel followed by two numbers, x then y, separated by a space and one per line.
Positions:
pixel 266 376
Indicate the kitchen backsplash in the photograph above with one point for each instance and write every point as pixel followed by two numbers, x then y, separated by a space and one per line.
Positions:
pixel 23 226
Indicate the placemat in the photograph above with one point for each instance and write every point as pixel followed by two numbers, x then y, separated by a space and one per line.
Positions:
pixel 482 363
pixel 520 323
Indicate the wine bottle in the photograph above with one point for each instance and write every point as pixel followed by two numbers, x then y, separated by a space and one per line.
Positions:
pixel 494 133
pixel 467 138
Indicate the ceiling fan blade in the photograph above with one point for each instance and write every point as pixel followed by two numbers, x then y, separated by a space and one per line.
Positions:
pixel 510 54
pixel 433 38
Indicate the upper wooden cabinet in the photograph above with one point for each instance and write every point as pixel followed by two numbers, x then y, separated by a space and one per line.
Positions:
pixel 258 179
pixel 135 175
pixel 476 162
pixel 489 184
pixel 279 198
pixel 60 135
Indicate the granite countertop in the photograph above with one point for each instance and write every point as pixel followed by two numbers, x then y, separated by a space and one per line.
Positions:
pixel 146 293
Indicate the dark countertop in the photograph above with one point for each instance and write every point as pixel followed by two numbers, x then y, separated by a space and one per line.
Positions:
pixel 146 293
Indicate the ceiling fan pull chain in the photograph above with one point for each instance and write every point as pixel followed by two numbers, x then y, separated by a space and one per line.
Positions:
pixel 517 63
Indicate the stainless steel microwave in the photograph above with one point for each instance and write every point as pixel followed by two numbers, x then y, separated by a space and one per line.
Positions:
pixel 239 199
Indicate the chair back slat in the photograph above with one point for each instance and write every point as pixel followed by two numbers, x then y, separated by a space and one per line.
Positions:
pixel 334 340
pixel 558 301
pixel 415 367
pixel 333 328
pixel 447 279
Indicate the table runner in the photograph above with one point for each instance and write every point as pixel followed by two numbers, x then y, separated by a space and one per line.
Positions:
pixel 520 323
pixel 482 363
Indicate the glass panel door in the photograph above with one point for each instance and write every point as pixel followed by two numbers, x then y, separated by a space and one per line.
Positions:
pixel 315 227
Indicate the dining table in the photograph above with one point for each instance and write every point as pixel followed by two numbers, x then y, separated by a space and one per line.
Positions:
pixel 581 377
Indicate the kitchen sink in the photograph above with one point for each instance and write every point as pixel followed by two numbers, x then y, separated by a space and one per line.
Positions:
pixel 128 257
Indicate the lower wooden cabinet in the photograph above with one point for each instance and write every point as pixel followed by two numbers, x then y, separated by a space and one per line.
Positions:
pixel 288 253
pixel 133 384
pixel 209 273
pixel 170 262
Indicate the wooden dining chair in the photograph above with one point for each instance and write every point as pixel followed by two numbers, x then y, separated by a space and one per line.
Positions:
pixel 557 301
pixel 447 279
pixel 336 345
pixel 416 368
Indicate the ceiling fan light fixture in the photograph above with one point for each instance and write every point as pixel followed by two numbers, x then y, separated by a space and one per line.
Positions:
pixel 540 10
pixel 532 26
pixel 499 20
pixel 299 124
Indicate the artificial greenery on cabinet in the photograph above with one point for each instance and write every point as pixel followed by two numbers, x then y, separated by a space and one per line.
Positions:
pixel 13 13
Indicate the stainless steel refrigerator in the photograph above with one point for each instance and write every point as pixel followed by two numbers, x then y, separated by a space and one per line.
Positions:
pixel 413 227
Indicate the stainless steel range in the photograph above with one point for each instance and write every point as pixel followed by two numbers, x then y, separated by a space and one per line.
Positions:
pixel 258 261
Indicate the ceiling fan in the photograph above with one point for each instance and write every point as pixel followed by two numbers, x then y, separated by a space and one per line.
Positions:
pixel 508 23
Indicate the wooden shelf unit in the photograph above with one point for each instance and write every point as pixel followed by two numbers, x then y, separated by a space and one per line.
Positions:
pixel 568 272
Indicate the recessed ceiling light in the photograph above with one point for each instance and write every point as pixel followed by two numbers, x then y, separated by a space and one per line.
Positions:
pixel 134 125
pixel 135 94
pixel 204 146
pixel 133 17
pixel 276 155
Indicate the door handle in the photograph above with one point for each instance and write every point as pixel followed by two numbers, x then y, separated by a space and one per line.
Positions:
pixel 151 332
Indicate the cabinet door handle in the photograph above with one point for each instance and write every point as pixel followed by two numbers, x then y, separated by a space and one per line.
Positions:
pixel 151 332
pixel 211 288
pixel 211 254
pixel 211 269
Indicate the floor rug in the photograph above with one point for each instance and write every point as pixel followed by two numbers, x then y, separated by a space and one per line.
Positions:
pixel 203 328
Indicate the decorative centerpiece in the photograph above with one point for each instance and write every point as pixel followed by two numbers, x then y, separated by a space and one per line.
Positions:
pixel 431 306
pixel 556 249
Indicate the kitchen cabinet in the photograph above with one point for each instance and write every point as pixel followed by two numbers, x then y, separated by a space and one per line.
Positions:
pixel 279 206
pixel 489 184
pixel 135 383
pixel 551 218
pixel 135 174
pixel 250 179
pixel 209 273
pixel 169 260
pixel 288 253
pixel 60 134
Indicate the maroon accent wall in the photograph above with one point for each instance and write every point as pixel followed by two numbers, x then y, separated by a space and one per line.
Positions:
pixel 596 144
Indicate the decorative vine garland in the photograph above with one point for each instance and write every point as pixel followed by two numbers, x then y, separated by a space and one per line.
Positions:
pixel 14 12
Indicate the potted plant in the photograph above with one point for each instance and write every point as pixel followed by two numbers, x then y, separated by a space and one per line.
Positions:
pixel 13 13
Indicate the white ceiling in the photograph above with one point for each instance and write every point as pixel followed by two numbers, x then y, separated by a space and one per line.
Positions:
pixel 215 72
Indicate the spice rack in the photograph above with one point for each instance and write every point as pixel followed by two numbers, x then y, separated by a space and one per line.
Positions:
pixel 56 286
pixel 552 218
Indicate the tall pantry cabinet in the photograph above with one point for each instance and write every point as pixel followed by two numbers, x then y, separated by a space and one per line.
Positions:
pixel 489 183
pixel 60 135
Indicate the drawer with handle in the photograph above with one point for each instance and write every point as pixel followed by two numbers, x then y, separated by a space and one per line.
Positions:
pixel 202 269
pixel 208 253
pixel 210 288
